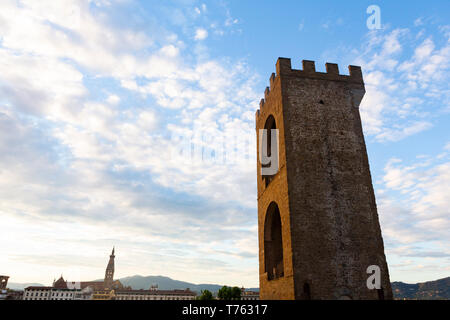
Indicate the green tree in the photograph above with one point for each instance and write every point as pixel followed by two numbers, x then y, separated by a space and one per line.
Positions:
pixel 205 295
pixel 228 293
pixel 235 293
pixel 224 293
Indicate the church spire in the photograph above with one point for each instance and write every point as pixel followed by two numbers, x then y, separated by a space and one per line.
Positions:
pixel 109 274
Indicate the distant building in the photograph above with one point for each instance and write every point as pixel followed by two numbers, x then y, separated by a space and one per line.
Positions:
pixel 3 282
pixel 249 295
pixel 109 289
pixel 84 294
pixel 86 290
pixel 155 294
pixel 37 293
pixel 109 273
pixel 3 285
pixel 14 295
pixel 108 283
pixel 103 295
pixel 59 291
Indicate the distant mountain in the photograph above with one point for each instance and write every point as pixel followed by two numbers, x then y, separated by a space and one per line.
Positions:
pixel 21 286
pixel 165 283
pixel 430 290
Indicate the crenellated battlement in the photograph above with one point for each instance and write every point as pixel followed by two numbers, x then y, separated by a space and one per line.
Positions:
pixel 267 93
pixel 284 69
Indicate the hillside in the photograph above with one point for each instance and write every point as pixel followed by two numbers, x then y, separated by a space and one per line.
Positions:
pixel 430 290
pixel 21 286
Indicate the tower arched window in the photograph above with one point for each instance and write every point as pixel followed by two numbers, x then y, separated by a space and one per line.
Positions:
pixel 273 243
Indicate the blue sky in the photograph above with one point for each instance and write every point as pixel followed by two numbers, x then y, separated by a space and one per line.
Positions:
pixel 93 93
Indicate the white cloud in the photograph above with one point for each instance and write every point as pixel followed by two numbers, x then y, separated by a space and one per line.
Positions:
pixel 394 134
pixel 92 44
pixel 113 99
pixel 418 22
pixel 201 34
pixel 39 85
pixel 415 222
pixel 79 156
pixel 421 212
pixel 400 94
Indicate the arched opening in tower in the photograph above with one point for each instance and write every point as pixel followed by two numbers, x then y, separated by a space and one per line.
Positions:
pixel 273 243
pixel 306 291
pixel 269 125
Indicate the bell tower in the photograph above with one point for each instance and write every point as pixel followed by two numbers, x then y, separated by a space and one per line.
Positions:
pixel 109 273
pixel 318 227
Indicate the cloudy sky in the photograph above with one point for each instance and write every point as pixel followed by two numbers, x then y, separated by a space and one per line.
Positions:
pixel 94 92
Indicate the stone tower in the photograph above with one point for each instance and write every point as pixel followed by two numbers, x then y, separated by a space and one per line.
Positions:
pixel 3 282
pixel 317 217
pixel 109 274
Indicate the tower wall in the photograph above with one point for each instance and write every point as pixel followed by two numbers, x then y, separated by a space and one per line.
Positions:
pixel 331 232
pixel 282 288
